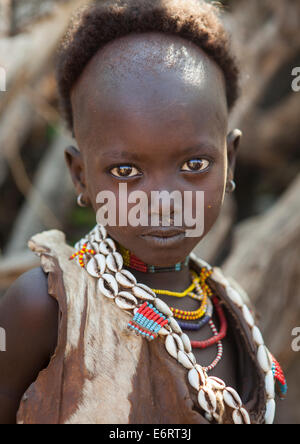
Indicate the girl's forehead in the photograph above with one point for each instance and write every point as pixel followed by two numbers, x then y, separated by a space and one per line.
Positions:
pixel 152 78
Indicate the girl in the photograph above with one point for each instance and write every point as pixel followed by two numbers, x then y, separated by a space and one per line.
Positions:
pixel 130 326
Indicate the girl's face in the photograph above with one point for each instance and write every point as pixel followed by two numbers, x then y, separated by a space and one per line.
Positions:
pixel 150 112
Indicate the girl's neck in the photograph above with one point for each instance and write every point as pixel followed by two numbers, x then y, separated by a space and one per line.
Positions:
pixel 170 280
pixel 176 279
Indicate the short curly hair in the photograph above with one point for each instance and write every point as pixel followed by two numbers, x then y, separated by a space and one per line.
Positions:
pixel 106 20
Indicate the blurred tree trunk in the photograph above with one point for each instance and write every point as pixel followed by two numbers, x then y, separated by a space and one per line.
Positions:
pixel 265 261
pixel 267 41
pixel 265 254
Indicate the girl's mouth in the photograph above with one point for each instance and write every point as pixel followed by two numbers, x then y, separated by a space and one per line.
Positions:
pixel 164 237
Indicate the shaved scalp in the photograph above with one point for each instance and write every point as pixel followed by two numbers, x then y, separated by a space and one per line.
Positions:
pixel 137 54
pixel 195 21
pixel 137 63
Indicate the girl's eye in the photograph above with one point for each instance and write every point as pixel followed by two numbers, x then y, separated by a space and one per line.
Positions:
pixel 125 171
pixel 195 165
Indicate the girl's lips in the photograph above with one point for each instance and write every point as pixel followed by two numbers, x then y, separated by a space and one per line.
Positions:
pixel 164 232
pixel 166 240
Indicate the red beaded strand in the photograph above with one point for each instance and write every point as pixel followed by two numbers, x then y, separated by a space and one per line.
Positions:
pixel 219 355
pixel 219 336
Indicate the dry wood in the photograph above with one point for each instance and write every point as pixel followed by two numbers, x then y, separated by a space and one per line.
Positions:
pixel 49 199
pixel 265 261
pixel 25 64
pixel 270 33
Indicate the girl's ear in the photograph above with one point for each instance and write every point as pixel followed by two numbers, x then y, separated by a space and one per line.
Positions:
pixel 75 164
pixel 233 142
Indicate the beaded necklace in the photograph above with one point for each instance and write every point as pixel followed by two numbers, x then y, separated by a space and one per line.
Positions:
pixel 192 326
pixel 190 315
pixel 202 292
pixel 218 401
pixel 132 261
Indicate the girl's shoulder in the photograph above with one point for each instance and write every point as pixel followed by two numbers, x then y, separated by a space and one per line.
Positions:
pixel 30 303
pixel 29 320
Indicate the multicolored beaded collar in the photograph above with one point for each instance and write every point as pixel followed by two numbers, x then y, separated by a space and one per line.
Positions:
pixel 97 253
pixel 132 261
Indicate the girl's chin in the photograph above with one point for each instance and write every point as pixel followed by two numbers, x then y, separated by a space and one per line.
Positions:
pixel 162 252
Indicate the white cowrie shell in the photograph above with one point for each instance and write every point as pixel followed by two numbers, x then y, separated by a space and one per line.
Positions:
pixel 114 262
pixel 192 358
pixel 174 325
pixel 263 359
pixel 237 417
pixel 241 416
pixel 163 332
pixel 193 377
pixel 270 385
pixel 234 296
pixel 218 277
pixel 231 398
pixel 216 383
pixel 270 411
pixel 186 342
pixel 257 336
pixel 178 341
pixel 108 286
pixel 125 279
pixel 184 360
pixel 100 233
pixel 126 300
pixel 171 346
pixel 245 415
pixel 162 307
pixel 107 246
pixel 80 244
pixel 143 292
pixel 95 247
pixel 96 266
pixel 207 400
pixel 248 316
pixel 202 375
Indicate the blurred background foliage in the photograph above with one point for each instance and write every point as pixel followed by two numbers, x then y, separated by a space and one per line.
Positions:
pixel 257 237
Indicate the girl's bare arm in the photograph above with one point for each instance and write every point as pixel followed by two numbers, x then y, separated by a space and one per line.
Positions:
pixel 29 317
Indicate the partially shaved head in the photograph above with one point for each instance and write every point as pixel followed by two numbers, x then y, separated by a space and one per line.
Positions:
pixel 145 108
pixel 197 22
pixel 148 65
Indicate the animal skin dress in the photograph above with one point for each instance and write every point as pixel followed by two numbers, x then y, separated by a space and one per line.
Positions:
pixel 101 373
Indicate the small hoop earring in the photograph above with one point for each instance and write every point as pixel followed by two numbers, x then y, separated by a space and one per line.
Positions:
pixel 80 202
pixel 231 186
